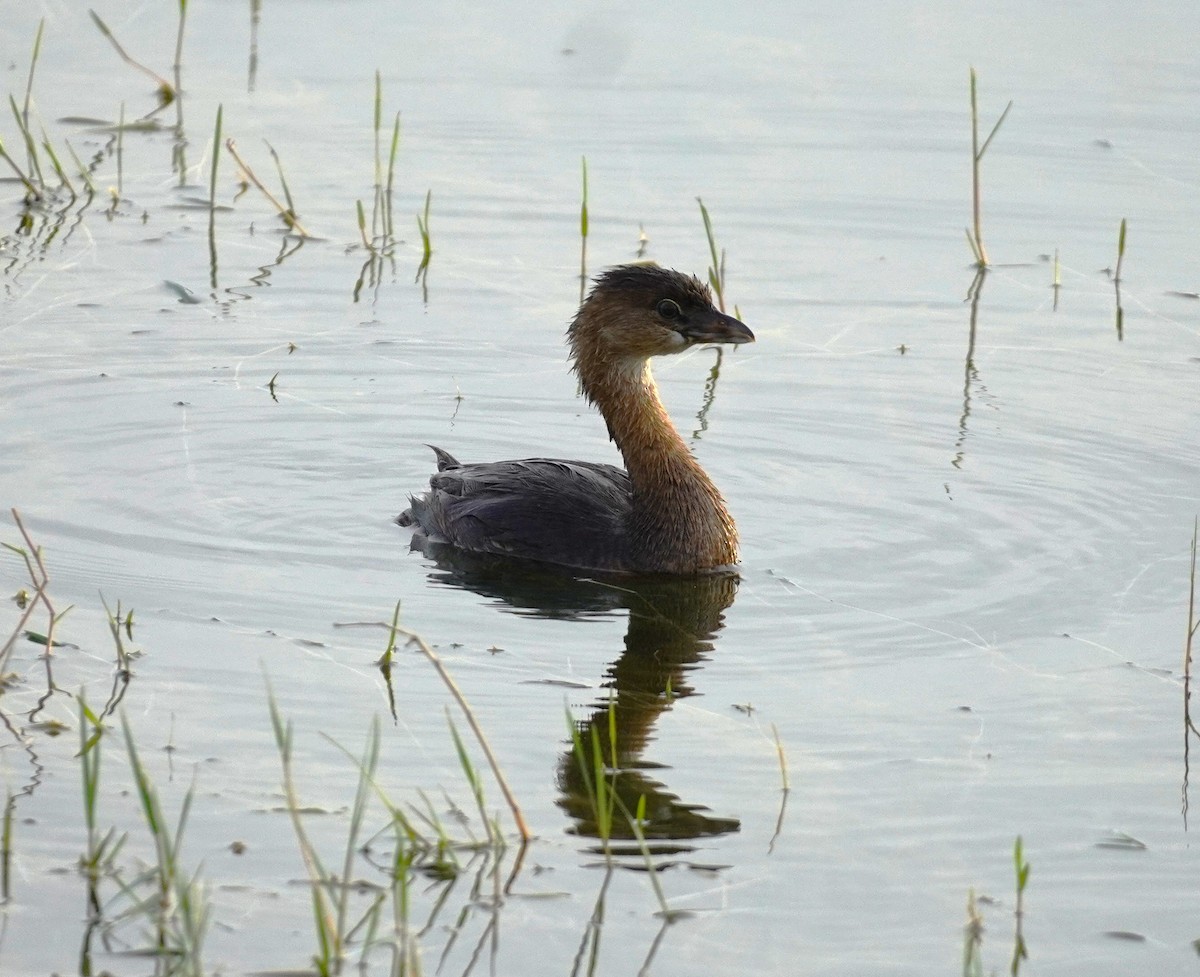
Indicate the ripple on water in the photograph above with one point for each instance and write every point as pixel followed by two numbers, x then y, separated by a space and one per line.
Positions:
pixel 1019 514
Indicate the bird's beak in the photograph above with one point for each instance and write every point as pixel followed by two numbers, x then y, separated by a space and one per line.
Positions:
pixel 716 327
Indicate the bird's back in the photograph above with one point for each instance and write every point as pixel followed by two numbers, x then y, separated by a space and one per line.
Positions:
pixel 570 513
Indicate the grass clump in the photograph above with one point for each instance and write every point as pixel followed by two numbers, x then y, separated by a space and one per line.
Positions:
pixel 422 844
pixel 164 906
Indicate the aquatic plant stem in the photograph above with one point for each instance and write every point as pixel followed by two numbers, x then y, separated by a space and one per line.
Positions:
pixel 83 170
pixel 423 227
pixel 419 643
pixel 35 166
pixel 972 965
pixel 39 579
pixel 977 151
pixel 716 271
pixel 388 226
pixel 1193 621
pixel 1020 952
pixel 166 91
pixel 636 820
pixel 377 210
pixel 517 816
pixel 6 847
pixel 287 193
pixel 1193 626
pixel 328 937
pixel 783 767
pixel 212 198
pixel 120 156
pixel 182 912
pixel 289 218
pixel 177 66
pixel 48 148
pixel 1120 252
pixel 30 189
pixel 33 60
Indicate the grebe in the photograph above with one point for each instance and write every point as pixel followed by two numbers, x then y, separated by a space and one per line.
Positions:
pixel 662 515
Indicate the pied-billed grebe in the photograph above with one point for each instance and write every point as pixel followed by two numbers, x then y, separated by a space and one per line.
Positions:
pixel 663 515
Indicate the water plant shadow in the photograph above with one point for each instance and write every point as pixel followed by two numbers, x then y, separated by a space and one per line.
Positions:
pixel 970 373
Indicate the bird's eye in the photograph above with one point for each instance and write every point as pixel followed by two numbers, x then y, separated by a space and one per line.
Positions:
pixel 669 309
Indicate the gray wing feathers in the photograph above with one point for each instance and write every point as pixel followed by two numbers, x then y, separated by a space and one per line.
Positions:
pixel 572 513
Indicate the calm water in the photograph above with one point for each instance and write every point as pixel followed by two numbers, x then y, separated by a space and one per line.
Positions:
pixel 965 526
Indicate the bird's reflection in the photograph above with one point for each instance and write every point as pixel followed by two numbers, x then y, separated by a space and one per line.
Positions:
pixel 673 625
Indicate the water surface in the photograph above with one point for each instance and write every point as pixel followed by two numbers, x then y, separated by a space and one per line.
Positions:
pixel 965 524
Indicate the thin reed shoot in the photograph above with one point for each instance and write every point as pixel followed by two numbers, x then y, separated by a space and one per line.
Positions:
pixel 212 196
pixel 39 580
pixel 422 846
pixel 426 241
pixel 783 766
pixel 1021 865
pixel 1120 251
pixel 593 773
pixel 31 190
pixel 6 843
pixel 975 240
pixel 378 210
pixel 636 819
pixel 84 173
pixel 381 239
pixel 361 215
pixel 283 183
pixel 182 911
pixel 35 166
pixel 286 213
pixel 48 148
pixel 175 909
pixel 33 60
pixel 1193 621
pixel 972 958
pixel 102 849
pixel 166 91
pixel 473 778
pixel 177 64
pixel 120 190
pixel 414 640
pixel 388 227
pixel 329 936
pixel 1193 625
pixel 716 270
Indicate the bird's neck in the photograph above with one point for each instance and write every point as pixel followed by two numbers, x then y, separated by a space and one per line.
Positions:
pixel 679 521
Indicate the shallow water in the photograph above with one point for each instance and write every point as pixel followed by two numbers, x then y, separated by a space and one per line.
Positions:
pixel 965 524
